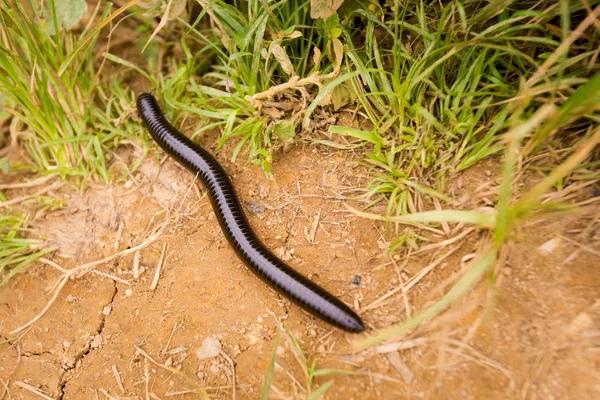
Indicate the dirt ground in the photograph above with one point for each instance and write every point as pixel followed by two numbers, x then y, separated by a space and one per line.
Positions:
pixel 204 321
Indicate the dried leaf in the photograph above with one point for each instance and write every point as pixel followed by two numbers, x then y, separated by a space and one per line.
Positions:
pixel 161 24
pixel 342 95
pixel 549 246
pixel 178 9
pixel 338 49
pixel 403 370
pixel 317 57
pixel 325 100
pixel 282 57
pixel 324 8
pixel 272 112
pixel 148 4
pixel 68 14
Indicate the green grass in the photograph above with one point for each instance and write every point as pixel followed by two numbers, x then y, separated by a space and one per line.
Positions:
pixel 255 47
pixel 52 88
pixel 54 95
pixel 437 86
pixel 308 367
pixel 17 251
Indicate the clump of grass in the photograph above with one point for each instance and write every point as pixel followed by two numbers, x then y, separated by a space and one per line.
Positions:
pixel 50 85
pixel 257 45
pixel 17 251
pixel 436 85
pixel 52 92
pixel 529 129
pixel 439 85
pixel 510 212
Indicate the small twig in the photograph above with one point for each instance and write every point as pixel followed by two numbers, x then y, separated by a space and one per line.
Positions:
pixel 62 283
pixel 147 378
pixel 14 368
pixel 20 199
pixel 582 246
pixel 230 361
pixel 118 378
pixel 170 338
pixel 108 396
pixel 403 345
pixel 411 282
pixel 446 242
pixel 313 230
pixel 136 264
pixel 53 264
pixel 479 358
pixel 119 234
pixel 111 277
pixel 6 390
pixel 83 269
pixel 179 393
pixel 33 390
pixel 199 389
pixel 158 267
pixel 24 185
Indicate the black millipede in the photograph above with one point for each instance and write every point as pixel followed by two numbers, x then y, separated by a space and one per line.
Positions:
pixel 293 285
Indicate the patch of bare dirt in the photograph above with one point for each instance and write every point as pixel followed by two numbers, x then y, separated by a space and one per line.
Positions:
pixel 118 333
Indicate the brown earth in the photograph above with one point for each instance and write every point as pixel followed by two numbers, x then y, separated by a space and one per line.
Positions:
pixel 533 332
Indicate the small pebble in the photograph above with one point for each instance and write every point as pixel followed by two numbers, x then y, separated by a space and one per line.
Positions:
pixel 66 344
pixel 254 207
pixel 356 280
pixel 128 292
pixel 549 246
pixel 96 342
pixel 214 368
pixel 210 348
pixel 107 310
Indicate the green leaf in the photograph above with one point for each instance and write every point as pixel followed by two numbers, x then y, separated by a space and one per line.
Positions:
pixel 457 216
pixel 4 165
pixel 356 133
pixel 284 130
pixel 3 113
pixel 68 14
pixel 270 371
pixel 320 392
pixel 324 8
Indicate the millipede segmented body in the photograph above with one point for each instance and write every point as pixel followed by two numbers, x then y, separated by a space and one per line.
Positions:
pixel 235 226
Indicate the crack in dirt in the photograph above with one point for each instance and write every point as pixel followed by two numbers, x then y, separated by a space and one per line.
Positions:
pixel 86 349
pixel 28 354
